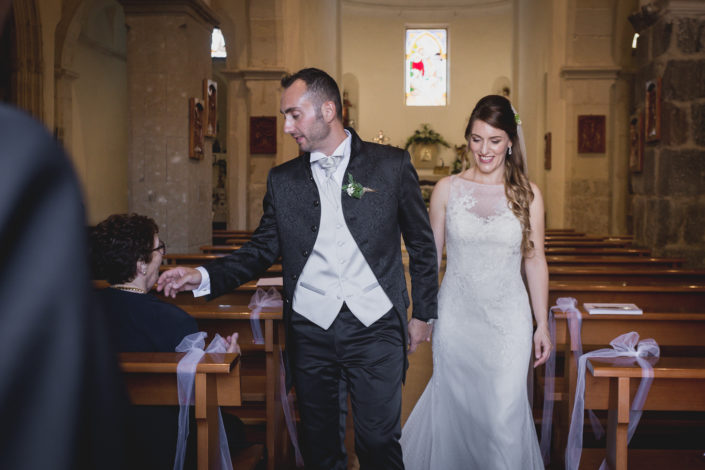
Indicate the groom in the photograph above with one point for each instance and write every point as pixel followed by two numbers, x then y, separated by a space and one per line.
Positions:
pixel 336 215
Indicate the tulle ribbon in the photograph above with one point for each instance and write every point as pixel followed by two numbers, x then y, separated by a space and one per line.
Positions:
pixel 626 345
pixel 193 345
pixel 567 305
pixel 261 299
pixel 287 401
pixel 548 389
pixel 272 299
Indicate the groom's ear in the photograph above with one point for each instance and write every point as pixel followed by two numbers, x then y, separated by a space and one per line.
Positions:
pixel 328 111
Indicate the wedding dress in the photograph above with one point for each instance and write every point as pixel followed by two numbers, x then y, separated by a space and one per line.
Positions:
pixel 474 412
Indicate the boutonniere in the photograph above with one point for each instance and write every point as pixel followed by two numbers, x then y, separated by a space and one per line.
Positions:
pixel 355 189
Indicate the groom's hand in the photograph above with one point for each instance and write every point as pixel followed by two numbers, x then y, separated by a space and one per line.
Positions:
pixel 177 280
pixel 419 331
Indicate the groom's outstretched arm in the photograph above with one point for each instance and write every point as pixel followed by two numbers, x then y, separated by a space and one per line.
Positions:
pixel 418 238
pixel 254 257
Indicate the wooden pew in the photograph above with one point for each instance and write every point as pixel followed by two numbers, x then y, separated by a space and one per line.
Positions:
pixel 236 241
pixel 216 249
pixel 675 332
pixel 643 262
pixel 583 243
pixel 619 275
pixel 655 297
pixel 582 238
pixel 190 258
pixel 150 379
pixel 589 251
pixel 260 369
pixel 678 385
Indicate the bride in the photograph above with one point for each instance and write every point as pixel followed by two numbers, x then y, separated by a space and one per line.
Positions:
pixel 474 412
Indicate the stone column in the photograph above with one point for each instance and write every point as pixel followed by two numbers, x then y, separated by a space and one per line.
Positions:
pixel 668 205
pixel 594 81
pixel 168 56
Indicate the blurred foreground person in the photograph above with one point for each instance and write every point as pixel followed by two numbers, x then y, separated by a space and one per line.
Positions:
pixel 61 397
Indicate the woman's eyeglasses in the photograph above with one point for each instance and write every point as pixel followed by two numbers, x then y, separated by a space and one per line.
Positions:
pixel 161 248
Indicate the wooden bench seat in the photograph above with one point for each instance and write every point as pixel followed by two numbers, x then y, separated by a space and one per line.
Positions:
pixel 654 297
pixel 260 369
pixel 620 275
pixel 151 379
pixel 582 243
pixel 642 262
pixel 678 385
pixel 222 249
pixel 590 251
pixel 680 333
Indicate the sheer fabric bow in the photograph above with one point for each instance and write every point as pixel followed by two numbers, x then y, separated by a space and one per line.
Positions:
pixel 193 345
pixel 628 346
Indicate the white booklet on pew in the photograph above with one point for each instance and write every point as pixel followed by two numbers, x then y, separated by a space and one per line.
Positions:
pixel 270 281
pixel 612 309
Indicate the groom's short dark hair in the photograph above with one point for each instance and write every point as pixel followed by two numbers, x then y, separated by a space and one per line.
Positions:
pixel 320 86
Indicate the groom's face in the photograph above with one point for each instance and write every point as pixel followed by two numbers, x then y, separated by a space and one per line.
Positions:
pixel 303 119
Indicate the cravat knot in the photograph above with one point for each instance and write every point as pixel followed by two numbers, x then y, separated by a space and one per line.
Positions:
pixel 330 164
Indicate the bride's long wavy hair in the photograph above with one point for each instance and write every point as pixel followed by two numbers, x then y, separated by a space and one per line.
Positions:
pixel 497 111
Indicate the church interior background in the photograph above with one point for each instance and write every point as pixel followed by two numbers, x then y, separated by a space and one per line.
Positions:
pixel 118 83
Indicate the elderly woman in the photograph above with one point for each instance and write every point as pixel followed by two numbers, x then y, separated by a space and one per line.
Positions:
pixel 126 251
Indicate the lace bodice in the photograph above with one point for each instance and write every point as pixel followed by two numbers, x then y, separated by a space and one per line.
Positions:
pixel 483 237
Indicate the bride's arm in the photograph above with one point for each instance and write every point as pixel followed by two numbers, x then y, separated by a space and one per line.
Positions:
pixel 437 214
pixel 537 278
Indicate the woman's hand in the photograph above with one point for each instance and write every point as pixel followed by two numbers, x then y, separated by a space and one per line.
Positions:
pixel 542 344
pixel 232 346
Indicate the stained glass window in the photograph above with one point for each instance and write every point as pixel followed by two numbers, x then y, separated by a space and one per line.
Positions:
pixel 218 44
pixel 426 67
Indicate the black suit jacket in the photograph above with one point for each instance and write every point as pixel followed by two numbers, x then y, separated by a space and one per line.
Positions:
pixel 60 385
pixel 377 221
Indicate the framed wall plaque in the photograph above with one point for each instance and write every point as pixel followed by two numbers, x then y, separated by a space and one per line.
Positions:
pixel 652 110
pixel 636 143
pixel 263 134
pixel 547 151
pixel 195 128
pixel 591 134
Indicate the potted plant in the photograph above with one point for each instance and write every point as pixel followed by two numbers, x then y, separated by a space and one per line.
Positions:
pixel 424 144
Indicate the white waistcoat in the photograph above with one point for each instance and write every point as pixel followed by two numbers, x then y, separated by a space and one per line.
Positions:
pixel 336 271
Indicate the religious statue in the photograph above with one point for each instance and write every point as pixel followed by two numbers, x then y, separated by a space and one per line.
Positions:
pixel 347 122
pixel 381 138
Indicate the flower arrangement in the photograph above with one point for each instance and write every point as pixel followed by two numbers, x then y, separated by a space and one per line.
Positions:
pixel 425 135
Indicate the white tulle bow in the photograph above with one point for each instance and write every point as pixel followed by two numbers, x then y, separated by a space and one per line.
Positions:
pixel 627 346
pixel 193 345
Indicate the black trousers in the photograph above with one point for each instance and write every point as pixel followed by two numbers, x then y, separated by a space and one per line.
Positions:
pixel 367 363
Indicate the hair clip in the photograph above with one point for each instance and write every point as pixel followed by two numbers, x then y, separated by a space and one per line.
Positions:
pixel 517 120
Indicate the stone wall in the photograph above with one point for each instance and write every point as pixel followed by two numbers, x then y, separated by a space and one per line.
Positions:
pixel 668 199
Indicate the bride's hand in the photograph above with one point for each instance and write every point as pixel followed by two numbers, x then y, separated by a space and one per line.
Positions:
pixel 542 345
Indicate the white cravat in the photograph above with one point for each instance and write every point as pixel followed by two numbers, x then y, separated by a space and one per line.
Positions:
pixel 332 189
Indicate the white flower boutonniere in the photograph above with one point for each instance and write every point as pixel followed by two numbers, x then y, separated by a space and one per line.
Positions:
pixel 355 189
